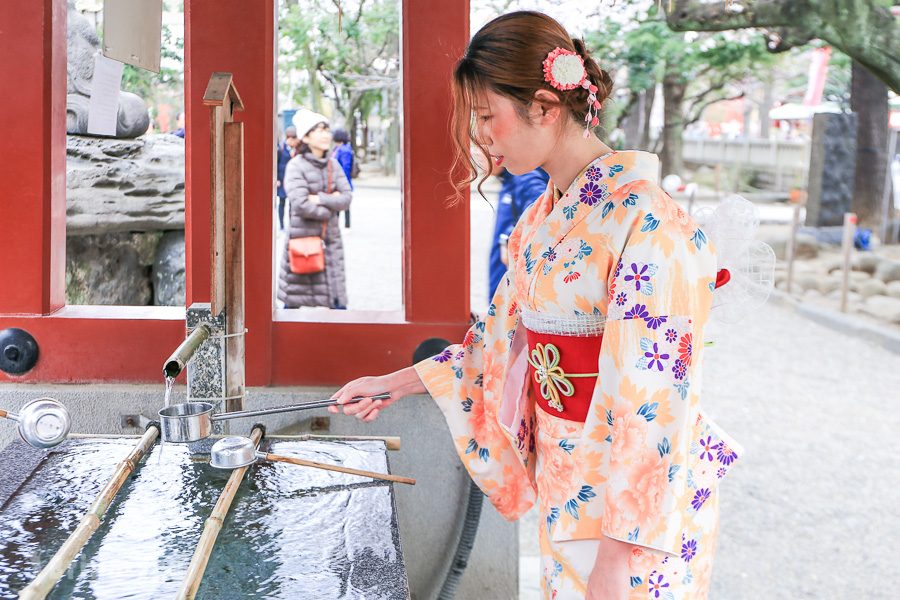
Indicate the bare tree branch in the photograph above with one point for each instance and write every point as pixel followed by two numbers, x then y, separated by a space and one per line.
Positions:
pixel 698 112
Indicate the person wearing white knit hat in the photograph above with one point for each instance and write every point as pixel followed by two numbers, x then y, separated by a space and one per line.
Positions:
pixel 317 191
pixel 306 120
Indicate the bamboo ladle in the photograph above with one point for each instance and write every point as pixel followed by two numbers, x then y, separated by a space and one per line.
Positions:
pixel 235 451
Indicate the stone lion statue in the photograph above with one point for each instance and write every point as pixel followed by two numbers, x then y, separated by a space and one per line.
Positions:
pixel 82 44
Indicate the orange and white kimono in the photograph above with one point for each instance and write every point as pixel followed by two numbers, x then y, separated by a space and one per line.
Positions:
pixel 580 390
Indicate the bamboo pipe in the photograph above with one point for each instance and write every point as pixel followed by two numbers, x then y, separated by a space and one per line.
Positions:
pixel 51 574
pixel 317 465
pixel 185 351
pixel 213 526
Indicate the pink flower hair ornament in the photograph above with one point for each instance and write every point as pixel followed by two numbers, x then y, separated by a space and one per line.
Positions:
pixel 564 70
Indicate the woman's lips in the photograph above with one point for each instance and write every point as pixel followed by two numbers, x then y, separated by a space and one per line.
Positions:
pixel 498 160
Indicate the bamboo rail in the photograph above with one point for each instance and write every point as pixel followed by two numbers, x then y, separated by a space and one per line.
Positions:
pixel 211 529
pixel 51 574
pixel 325 467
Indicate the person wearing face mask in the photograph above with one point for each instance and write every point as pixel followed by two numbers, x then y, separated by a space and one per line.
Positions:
pixel 317 191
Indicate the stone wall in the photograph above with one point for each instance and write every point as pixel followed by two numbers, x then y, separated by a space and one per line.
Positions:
pixel 125 220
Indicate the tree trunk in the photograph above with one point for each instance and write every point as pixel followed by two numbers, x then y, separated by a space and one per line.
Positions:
pixel 648 97
pixel 314 93
pixel 630 121
pixel 766 106
pixel 673 126
pixel 869 100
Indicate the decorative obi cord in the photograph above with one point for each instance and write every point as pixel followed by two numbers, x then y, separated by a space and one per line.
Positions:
pixel 562 361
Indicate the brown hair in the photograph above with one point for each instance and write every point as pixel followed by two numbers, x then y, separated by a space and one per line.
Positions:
pixel 506 57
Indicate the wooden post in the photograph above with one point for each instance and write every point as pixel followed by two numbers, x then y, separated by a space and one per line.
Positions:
pixel 48 577
pixel 792 247
pixel 226 227
pixel 846 247
pixel 211 529
pixel 234 261
pixel 718 180
pixel 223 99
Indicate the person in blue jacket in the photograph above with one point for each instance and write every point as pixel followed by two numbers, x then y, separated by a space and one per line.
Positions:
pixel 343 153
pixel 284 153
pixel 517 193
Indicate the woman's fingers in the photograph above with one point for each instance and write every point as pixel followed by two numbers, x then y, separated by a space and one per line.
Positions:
pixel 372 415
pixel 373 406
pixel 357 407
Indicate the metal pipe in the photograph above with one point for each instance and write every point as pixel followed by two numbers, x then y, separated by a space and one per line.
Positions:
pixel 290 408
pixel 185 352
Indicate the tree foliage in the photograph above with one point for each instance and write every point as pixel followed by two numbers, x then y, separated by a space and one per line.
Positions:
pixel 348 52
pixel 865 30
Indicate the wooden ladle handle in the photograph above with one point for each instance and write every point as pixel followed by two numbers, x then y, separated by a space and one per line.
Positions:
pixel 316 465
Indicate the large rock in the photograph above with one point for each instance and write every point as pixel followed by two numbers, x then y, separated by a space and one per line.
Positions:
pixel 830 283
pixel 883 308
pixel 866 261
pixel 82 44
pixel 168 270
pixel 888 271
pixel 124 185
pixel 893 289
pixel 872 287
pixel 807 246
pixel 110 269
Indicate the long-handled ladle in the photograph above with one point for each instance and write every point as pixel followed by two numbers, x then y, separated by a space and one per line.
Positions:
pixel 235 451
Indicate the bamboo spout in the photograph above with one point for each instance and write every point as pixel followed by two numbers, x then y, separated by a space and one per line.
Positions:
pixel 185 352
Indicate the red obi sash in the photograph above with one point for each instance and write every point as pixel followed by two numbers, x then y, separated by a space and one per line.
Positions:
pixel 563 372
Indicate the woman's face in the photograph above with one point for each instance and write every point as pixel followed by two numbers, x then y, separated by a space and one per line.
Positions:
pixel 518 144
pixel 319 138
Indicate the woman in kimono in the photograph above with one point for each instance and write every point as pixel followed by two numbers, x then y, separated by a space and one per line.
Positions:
pixel 580 390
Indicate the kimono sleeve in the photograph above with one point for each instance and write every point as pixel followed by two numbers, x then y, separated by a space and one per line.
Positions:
pixel 467 381
pixel 646 403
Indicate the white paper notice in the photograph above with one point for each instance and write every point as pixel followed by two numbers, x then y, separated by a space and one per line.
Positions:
pixel 104 106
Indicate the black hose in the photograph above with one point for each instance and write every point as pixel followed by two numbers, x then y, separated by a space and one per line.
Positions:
pixel 466 543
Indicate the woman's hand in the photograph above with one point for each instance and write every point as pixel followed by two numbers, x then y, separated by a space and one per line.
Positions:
pixel 398 384
pixel 609 579
pixel 314 199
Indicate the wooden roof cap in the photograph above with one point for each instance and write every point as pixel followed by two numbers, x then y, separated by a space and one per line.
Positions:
pixel 221 85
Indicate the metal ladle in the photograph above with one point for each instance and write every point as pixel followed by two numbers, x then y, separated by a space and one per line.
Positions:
pixel 43 423
pixel 236 451
pixel 192 421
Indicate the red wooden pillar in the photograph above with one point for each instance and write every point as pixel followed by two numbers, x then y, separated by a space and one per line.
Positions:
pixel 436 253
pixel 33 151
pixel 238 37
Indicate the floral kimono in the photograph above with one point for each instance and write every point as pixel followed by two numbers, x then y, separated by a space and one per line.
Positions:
pixel 580 391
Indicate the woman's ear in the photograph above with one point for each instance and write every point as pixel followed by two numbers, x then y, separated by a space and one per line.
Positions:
pixel 547 107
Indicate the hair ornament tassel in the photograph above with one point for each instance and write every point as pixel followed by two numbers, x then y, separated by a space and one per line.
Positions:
pixel 564 70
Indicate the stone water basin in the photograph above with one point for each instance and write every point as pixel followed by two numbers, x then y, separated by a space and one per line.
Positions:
pixel 292 532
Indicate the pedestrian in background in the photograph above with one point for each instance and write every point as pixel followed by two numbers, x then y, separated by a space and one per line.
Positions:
pixel 285 152
pixel 343 153
pixel 317 191
pixel 517 193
